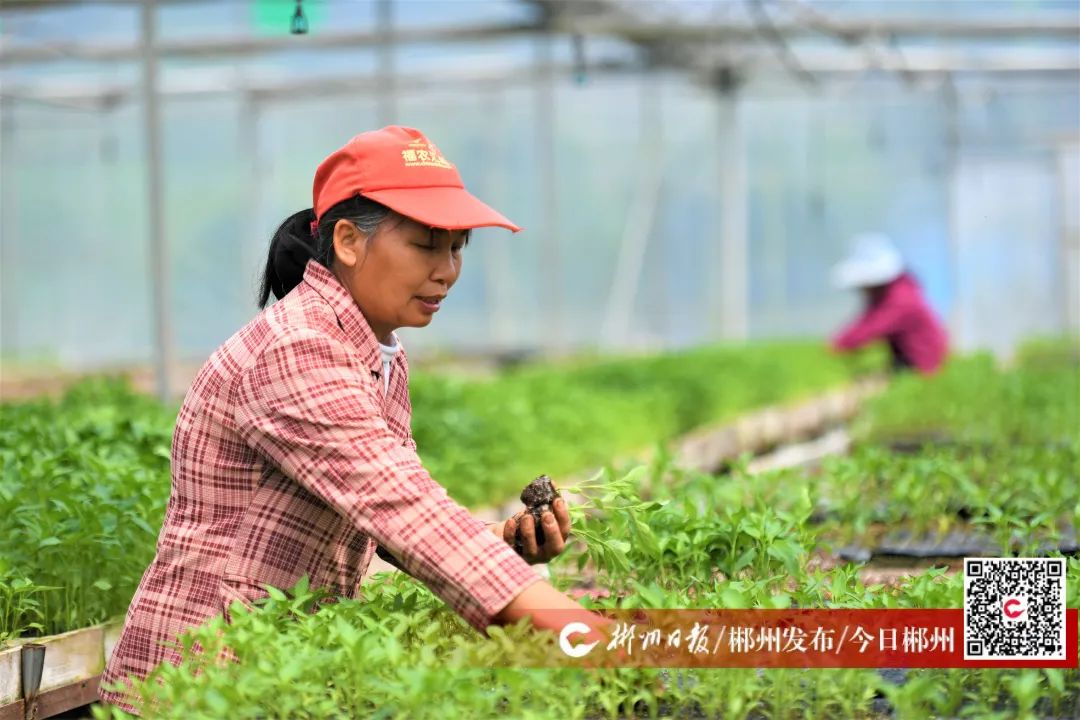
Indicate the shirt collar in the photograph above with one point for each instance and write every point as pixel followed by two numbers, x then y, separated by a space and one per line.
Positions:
pixel 390 351
pixel 349 317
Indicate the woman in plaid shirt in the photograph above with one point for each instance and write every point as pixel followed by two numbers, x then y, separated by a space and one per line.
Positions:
pixel 292 454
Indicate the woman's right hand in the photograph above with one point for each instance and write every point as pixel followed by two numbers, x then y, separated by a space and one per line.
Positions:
pixel 551 610
pixel 556 529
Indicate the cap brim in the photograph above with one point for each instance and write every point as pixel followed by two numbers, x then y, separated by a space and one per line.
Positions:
pixel 452 208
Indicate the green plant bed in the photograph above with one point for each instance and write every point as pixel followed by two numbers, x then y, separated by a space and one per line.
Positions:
pixel 84 480
pixel 367 660
pixel 1018 500
pixel 981 449
pixel 661 537
pixel 401 653
pixel 484 440
pixel 973 401
pixel 83 485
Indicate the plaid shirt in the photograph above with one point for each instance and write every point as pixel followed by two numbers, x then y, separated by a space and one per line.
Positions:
pixel 289 459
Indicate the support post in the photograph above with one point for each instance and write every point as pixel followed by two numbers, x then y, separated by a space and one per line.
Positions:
pixel 160 282
pixel 387 93
pixel 951 103
pixel 9 229
pixel 1069 185
pixel 550 256
pixel 498 285
pixel 254 246
pixel 734 256
pixel 640 218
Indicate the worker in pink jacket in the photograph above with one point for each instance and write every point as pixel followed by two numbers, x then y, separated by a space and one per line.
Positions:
pixel 293 454
pixel 895 309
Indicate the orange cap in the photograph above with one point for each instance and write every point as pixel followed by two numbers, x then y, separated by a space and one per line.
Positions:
pixel 403 170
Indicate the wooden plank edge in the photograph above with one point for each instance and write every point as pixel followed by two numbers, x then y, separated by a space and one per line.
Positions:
pixel 13 711
pixel 72 657
pixel 67 697
pixel 10 674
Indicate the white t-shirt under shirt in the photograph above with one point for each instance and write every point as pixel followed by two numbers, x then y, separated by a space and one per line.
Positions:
pixel 388 352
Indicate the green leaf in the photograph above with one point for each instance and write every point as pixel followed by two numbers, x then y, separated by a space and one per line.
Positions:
pixel 275 593
pixel 141 524
pixel 744 560
pixel 734 598
pixel 780 601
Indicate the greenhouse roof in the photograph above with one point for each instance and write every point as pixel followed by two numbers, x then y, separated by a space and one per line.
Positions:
pixel 59 50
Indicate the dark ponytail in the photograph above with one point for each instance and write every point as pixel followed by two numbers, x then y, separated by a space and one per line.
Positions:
pixel 294 243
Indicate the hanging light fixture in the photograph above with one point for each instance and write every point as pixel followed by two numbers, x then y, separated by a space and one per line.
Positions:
pixel 299 24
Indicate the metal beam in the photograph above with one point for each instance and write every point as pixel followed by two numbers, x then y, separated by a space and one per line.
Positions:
pixel 1064 26
pixel 737 46
pixel 923 60
pixel 40 5
pixel 632 28
pixel 246 45
pixel 195 82
pixel 31 6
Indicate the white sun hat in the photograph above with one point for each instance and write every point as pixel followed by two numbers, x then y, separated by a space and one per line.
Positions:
pixel 873 260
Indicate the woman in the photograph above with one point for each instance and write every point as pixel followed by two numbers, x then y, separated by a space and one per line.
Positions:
pixel 894 307
pixel 292 454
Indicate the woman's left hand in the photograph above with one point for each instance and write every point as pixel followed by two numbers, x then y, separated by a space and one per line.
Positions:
pixel 556 526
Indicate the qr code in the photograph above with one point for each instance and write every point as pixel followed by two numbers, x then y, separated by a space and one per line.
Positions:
pixel 1014 609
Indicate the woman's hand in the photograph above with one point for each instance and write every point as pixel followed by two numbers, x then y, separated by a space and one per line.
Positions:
pixel 549 609
pixel 556 526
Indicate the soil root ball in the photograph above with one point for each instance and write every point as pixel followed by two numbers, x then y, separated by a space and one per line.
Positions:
pixel 537 497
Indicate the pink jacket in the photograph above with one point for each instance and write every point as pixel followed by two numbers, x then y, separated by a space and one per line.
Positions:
pixel 289 459
pixel 904 320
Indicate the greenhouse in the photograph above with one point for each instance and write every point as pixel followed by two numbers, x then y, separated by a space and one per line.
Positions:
pixel 539 359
